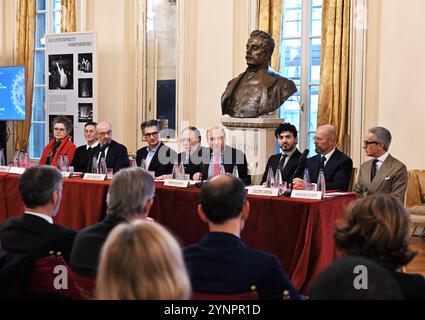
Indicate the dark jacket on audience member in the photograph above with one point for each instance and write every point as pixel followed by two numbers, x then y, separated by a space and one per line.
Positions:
pixel 221 263
pixel 88 244
pixel 36 237
pixel 81 158
pixel 116 158
pixel 162 161
pixel 288 170
pixel 337 170
pixel 197 160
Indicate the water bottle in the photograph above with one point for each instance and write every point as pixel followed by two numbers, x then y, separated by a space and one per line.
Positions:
pixel 306 177
pixel 65 163
pixel 60 162
pixel 2 160
pixel 235 172
pixel 94 166
pixel 321 183
pixel 278 180
pixel 270 178
pixel 175 173
pixel 143 164
pixel 222 170
pixel 182 172
pixel 102 166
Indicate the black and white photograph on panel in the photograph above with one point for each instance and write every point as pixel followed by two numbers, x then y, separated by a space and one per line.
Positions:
pixel 85 88
pixel 61 72
pixel 85 112
pixel 71 119
pixel 85 63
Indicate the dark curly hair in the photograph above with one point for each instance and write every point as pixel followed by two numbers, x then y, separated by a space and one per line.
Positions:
pixel 376 227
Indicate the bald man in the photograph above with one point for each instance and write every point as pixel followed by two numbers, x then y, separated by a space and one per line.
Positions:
pixel 337 166
pixel 115 154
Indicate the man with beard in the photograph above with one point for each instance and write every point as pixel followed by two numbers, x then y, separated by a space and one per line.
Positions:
pixel 287 160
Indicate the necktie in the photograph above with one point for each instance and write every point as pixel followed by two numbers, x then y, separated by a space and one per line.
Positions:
pixel 216 166
pixel 373 170
pixel 282 161
pixel 322 162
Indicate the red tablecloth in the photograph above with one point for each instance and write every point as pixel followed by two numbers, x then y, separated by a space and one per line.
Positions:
pixel 299 232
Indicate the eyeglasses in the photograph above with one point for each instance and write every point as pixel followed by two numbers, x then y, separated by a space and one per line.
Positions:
pixel 152 134
pixel 366 142
pixel 188 140
pixel 105 133
pixel 59 129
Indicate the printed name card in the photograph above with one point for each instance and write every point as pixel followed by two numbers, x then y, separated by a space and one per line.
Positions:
pixel 94 176
pixel 4 169
pixel 65 174
pixel 17 170
pixel 260 191
pixel 306 194
pixel 176 183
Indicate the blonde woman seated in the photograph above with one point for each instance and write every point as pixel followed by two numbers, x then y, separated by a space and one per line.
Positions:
pixel 142 261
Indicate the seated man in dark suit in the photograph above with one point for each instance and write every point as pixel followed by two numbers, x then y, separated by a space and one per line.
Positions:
pixel 156 155
pixel 115 154
pixel 287 160
pixel 34 233
pixel 221 263
pixel 337 166
pixel 81 156
pixel 223 156
pixel 130 197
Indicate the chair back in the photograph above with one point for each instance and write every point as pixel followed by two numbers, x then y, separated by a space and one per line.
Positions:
pixel 415 193
pixel 85 286
pixel 352 179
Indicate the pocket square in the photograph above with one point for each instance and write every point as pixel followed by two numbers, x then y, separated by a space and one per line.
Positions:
pixel 387 178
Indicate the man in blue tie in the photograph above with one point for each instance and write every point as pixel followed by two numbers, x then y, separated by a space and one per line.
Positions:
pixel 382 173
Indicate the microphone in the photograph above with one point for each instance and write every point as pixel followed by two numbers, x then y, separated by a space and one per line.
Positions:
pixel 300 162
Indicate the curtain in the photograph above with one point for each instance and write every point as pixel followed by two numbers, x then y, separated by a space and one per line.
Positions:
pixel 25 48
pixel 270 20
pixel 333 91
pixel 68 16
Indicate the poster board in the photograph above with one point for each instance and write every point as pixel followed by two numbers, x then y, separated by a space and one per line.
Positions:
pixel 70 74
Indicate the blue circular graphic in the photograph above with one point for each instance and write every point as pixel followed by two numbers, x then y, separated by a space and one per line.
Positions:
pixel 18 93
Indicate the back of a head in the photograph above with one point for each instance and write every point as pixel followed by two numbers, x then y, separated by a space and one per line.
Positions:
pixel 142 260
pixel 37 185
pixel 130 189
pixel 222 198
pixel 356 278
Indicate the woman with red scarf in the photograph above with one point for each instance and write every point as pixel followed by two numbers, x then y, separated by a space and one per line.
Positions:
pixel 60 144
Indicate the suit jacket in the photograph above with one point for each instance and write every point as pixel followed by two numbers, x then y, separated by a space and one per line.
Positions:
pixel 337 170
pixel 81 159
pixel 36 237
pixel 288 171
pixel 116 158
pixel 88 244
pixel 67 147
pixel 197 159
pixel 162 161
pixel 221 263
pixel 232 157
pixel 391 178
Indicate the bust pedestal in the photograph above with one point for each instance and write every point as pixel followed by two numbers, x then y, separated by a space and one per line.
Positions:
pixel 255 137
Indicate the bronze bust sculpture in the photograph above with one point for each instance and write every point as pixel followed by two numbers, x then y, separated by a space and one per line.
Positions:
pixel 259 90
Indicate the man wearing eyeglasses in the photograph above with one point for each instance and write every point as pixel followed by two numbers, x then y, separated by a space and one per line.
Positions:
pixel 115 154
pixel 156 155
pixel 383 173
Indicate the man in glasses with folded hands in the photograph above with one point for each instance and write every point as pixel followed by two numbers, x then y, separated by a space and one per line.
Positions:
pixel 156 155
pixel 382 173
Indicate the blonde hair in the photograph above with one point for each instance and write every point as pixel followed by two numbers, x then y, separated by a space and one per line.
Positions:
pixel 142 260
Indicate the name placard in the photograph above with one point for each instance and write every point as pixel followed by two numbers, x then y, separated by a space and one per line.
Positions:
pixel 17 170
pixel 176 183
pixel 94 176
pixel 65 174
pixel 259 191
pixel 4 169
pixel 306 194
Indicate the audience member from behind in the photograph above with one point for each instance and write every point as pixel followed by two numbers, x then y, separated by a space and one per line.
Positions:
pixel 377 227
pixel 356 278
pixel 60 144
pixel 81 157
pixel 115 153
pixel 34 233
pixel 382 173
pixel 221 263
pixel 142 261
pixel 158 157
pixel 130 197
